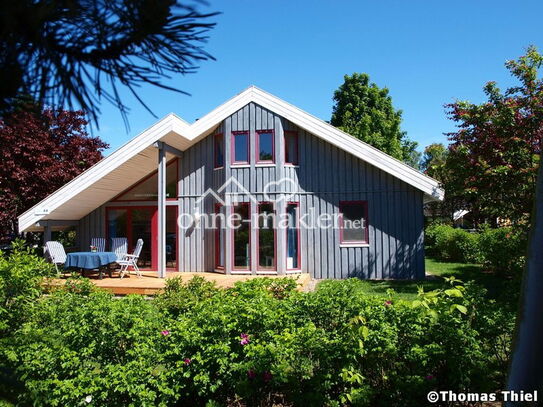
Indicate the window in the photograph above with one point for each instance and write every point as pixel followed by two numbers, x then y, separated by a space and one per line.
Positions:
pixel 353 222
pixel 293 237
pixel 265 146
pixel 240 147
pixel 242 236
pixel 291 147
pixel 219 151
pixel 147 189
pixel 266 236
pixel 219 237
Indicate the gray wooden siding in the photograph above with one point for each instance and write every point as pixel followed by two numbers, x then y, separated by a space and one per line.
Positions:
pixel 92 225
pixel 325 176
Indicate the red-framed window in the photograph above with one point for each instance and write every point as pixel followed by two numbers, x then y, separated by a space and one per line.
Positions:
pixel 266 237
pixel 241 236
pixel 240 147
pixel 353 222
pixel 291 147
pixel 294 258
pixel 218 150
pixel 219 236
pixel 265 146
pixel 147 188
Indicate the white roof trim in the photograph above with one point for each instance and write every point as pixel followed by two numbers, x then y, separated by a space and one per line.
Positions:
pixel 190 132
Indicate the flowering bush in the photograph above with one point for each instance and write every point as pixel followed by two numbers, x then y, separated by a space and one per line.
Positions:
pixel 259 343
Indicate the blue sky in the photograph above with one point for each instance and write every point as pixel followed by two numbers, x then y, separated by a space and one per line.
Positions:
pixel 427 53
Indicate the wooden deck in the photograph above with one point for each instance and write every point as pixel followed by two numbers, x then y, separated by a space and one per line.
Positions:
pixel 150 284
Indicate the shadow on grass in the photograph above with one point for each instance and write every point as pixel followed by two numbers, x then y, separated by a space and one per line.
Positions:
pixel 503 289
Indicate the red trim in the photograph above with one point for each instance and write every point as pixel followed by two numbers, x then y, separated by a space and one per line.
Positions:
pixel 297 158
pixel 218 231
pixel 233 149
pixel 116 198
pixel 297 211
pixel 176 268
pixel 257 146
pixel 154 232
pixel 258 241
pixel 154 239
pixel 233 232
pixel 215 150
pixel 352 203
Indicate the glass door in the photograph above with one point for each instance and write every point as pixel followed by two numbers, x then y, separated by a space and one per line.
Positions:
pixel 171 237
pixel 141 222
pixel 141 227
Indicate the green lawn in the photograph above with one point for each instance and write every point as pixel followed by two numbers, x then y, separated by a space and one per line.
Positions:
pixel 499 287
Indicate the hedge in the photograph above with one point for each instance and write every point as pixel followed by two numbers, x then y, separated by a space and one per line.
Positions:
pixel 502 249
pixel 259 343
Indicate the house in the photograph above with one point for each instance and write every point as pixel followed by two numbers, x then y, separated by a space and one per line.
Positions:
pixel 200 195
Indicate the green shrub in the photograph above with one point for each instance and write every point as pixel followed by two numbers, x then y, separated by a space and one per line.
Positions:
pixel 258 343
pixel 447 243
pixel 503 249
pixel 21 277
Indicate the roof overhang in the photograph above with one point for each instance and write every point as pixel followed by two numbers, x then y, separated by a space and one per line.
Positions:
pixel 139 157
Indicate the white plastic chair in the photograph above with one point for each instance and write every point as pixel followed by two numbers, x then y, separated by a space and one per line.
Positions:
pixel 99 243
pixel 56 253
pixel 131 260
pixel 119 245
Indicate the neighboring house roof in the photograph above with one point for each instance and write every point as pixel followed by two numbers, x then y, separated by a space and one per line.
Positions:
pixel 459 214
pixel 138 157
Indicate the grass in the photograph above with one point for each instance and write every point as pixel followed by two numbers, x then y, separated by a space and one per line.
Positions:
pixel 498 287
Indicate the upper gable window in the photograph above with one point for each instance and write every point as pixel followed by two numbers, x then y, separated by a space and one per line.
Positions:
pixel 240 147
pixel 291 147
pixel 265 146
pixel 219 151
pixel 147 188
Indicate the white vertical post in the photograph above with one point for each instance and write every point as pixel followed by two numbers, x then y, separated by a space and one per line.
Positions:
pixel 161 244
pixel 46 233
pixel 280 238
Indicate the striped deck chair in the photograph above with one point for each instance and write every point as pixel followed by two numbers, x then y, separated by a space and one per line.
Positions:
pixel 99 243
pixel 119 245
pixel 55 252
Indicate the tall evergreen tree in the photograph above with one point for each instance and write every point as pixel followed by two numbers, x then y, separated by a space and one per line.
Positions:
pixel 76 53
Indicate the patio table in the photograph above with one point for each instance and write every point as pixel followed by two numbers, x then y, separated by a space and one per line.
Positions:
pixel 90 260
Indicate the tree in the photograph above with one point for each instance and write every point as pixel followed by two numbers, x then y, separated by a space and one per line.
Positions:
pixel 365 111
pixel 41 151
pixel 434 164
pixel 494 156
pixel 433 161
pixel 66 53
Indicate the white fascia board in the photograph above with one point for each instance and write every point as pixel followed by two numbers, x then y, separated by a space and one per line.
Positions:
pixel 173 123
pixel 350 144
pixel 103 167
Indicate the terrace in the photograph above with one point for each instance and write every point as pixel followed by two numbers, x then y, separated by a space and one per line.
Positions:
pixel 150 284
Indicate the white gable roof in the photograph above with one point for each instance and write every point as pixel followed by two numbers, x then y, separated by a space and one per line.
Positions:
pixel 135 159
